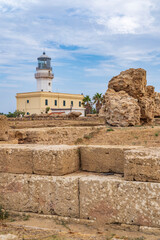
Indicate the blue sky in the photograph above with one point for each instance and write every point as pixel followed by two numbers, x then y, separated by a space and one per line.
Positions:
pixel 89 43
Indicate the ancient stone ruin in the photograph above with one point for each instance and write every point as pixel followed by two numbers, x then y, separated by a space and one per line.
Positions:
pixel 4 127
pixel 129 101
pixel 111 185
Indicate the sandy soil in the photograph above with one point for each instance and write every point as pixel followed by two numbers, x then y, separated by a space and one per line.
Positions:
pixel 134 136
pixel 46 229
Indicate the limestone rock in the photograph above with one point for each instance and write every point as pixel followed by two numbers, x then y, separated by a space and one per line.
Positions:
pixel 157 104
pixel 8 237
pixel 39 159
pixel 132 81
pixel 4 128
pixel 150 91
pixel 40 194
pixel 113 200
pixel 103 158
pixel 147 106
pixel 121 109
pixel 142 165
pixel 74 114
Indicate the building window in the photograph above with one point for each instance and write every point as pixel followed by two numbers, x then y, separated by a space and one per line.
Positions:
pixel 64 103
pixel 80 104
pixel 49 84
pixel 55 102
pixel 46 102
pixel 27 101
pixel 72 103
pixel 27 113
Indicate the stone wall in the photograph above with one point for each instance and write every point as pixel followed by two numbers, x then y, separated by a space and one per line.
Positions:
pixel 4 128
pixel 26 184
pixel 56 135
pixel 142 165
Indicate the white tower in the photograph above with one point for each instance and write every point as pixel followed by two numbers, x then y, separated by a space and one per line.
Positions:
pixel 44 74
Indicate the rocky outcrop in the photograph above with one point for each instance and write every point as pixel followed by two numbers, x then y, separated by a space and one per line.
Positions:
pixel 121 109
pixel 132 81
pixel 74 114
pixel 129 101
pixel 157 104
pixel 4 127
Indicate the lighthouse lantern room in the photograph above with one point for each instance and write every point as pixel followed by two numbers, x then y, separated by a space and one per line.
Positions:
pixel 44 74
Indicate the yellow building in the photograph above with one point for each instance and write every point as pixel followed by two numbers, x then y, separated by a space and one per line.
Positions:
pixel 37 102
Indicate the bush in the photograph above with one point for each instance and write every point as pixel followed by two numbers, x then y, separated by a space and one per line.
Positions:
pixel 15 114
pixel 110 130
pixel 3 213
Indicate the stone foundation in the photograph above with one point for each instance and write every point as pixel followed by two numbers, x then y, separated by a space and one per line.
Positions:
pixel 39 159
pixel 26 184
pixel 142 165
pixel 103 158
pixel 106 199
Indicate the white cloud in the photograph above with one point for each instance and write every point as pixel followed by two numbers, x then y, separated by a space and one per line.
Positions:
pixel 124 31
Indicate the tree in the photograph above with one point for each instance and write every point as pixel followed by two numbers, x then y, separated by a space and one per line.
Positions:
pixel 98 98
pixel 15 114
pixel 47 109
pixel 87 104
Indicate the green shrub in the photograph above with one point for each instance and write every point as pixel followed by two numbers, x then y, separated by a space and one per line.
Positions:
pixel 3 213
pixel 110 130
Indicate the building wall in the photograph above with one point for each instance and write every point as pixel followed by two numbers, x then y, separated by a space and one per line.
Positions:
pixel 37 101
pixel 44 84
pixel 33 106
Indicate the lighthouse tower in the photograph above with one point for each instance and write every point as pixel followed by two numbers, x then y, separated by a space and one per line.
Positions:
pixel 44 74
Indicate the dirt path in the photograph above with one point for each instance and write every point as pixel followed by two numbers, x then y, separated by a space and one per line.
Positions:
pixel 46 229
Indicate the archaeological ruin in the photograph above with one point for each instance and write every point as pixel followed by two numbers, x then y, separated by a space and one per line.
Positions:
pixel 85 170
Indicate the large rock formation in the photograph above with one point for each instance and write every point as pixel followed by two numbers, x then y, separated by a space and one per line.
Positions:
pixel 129 101
pixel 121 109
pixel 4 127
pixel 132 81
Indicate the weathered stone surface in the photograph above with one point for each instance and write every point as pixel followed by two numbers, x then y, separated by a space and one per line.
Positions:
pixel 121 109
pixel 147 106
pixel 103 158
pixel 16 159
pixel 157 104
pixel 142 165
pixel 113 200
pixel 4 127
pixel 132 81
pixel 53 136
pixel 40 194
pixel 8 237
pixel 39 159
pixel 58 160
pixel 74 114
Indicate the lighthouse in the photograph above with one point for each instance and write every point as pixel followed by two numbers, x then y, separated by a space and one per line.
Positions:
pixel 44 74
pixel 37 102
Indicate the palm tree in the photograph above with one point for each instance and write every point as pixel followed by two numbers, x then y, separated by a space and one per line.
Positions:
pixel 98 98
pixel 87 104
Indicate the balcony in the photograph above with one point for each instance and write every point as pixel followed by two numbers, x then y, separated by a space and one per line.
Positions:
pixel 44 75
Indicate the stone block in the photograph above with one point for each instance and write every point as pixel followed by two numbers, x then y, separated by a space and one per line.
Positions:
pixel 39 159
pixel 112 200
pixel 142 165
pixel 16 159
pixel 56 160
pixel 40 194
pixel 103 158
